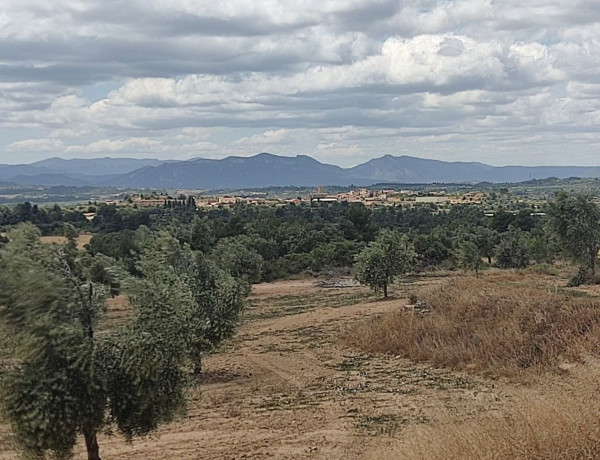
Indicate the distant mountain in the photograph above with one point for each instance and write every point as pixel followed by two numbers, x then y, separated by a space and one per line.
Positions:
pixel 265 169
pixel 97 166
pixel 50 179
pixel 261 170
pixel 411 170
pixel 524 173
pixel 9 171
pixel 407 170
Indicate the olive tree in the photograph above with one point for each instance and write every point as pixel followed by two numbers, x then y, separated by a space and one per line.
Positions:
pixel 211 298
pixel 469 257
pixel 67 379
pixel 234 255
pixel 512 251
pixel 390 255
pixel 576 222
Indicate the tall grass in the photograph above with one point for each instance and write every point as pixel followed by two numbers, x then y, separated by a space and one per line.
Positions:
pixel 498 324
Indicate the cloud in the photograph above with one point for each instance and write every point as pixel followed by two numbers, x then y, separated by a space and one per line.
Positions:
pixel 35 145
pixel 341 80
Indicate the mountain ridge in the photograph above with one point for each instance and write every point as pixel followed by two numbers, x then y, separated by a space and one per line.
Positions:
pixel 267 169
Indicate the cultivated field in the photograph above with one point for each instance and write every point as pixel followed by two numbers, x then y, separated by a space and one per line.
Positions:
pixel 297 383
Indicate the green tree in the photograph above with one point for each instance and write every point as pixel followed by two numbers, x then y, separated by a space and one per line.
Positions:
pixel 49 304
pixel 390 255
pixel 69 380
pixel 360 216
pixel 202 236
pixel 469 257
pixel 208 300
pixel 241 261
pixel 431 250
pixel 512 250
pixel 576 222
pixel 338 253
pixel 485 239
pixel 541 245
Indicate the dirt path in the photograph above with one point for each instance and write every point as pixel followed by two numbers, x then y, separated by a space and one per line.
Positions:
pixel 285 388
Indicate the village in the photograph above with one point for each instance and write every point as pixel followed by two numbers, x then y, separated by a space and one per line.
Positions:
pixel 365 196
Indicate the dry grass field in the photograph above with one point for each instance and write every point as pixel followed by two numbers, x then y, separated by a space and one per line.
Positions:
pixel 504 324
pixel 82 240
pixel 308 377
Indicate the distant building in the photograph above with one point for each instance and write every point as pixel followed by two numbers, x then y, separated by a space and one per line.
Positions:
pixel 431 199
pixel 229 200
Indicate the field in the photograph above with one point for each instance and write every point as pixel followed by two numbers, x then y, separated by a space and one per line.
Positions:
pixel 82 240
pixel 295 383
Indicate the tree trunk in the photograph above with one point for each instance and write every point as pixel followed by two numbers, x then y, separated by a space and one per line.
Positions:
pixel 197 366
pixel 385 290
pixel 91 443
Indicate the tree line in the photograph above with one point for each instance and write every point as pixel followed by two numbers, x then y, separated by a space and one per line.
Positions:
pixel 276 242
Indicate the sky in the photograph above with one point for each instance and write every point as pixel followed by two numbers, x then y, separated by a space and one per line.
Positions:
pixel 497 81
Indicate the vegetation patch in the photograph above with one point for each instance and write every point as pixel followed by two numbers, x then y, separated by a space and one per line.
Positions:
pixel 499 325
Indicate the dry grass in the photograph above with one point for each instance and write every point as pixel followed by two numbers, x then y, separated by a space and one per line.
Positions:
pixel 82 240
pixel 560 422
pixel 502 324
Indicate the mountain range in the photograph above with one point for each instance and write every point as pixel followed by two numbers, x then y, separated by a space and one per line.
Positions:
pixel 265 169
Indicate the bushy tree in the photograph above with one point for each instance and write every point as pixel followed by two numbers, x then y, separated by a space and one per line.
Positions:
pixel 512 250
pixel 70 380
pixel 49 303
pixel 202 236
pixel 339 253
pixel 542 246
pixel 469 257
pixel 240 260
pixel 576 222
pixel 431 250
pixel 390 255
pixel 485 239
pixel 208 300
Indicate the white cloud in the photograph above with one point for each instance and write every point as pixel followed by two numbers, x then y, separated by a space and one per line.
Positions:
pixel 341 80
pixel 35 145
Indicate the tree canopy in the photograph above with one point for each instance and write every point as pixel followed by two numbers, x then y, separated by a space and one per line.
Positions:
pixel 576 221
pixel 390 255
